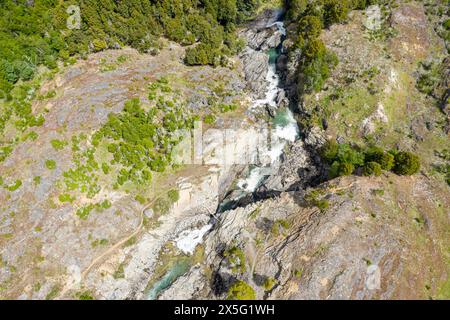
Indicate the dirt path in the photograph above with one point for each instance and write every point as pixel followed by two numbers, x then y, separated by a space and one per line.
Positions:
pixel 189 173
pixel 116 246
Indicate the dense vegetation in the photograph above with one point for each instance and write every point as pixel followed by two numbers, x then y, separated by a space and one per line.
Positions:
pixel 40 33
pixel 34 33
pixel 345 160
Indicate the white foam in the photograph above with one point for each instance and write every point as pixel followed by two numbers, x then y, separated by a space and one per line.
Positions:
pixel 276 150
pixel 280 26
pixel 272 91
pixel 253 181
pixel 188 240
pixel 290 131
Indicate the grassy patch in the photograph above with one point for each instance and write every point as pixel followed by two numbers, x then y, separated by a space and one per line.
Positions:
pixel 56 289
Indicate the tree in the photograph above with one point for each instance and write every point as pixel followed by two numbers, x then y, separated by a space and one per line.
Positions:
pixel 406 163
pixel 335 11
pixel 99 45
pixel 349 154
pixel 227 12
pixel 198 55
pixel 339 169
pixel 310 27
pixel 246 8
pixel 314 50
pixel 296 8
pixel 175 30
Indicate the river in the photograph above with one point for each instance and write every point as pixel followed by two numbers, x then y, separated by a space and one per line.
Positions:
pixel 284 131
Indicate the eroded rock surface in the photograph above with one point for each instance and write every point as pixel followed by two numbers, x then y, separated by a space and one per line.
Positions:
pixel 372 242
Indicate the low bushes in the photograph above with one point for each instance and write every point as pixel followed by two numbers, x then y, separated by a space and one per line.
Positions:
pixel 345 160
pixel 372 169
pixel 406 163
pixel 241 290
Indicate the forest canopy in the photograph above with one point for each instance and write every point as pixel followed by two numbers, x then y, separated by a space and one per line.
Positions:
pixel 35 32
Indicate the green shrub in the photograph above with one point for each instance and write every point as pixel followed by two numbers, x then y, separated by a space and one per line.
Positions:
pixel 279 225
pixel 161 206
pixel 105 168
pixel 105 204
pixel 84 212
pixel 322 204
pixel 406 163
pixel 138 142
pixel 296 8
pixel 339 169
pixel 65 197
pixel 378 155
pixel 200 55
pixel 329 151
pixel 314 50
pixel 37 180
pixel 50 164
pixel 174 195
pixel 372 169
pixel 85 295
pixel 140 199
pixel 335 11
pixel 386 161
pixel 175 30
pixel 17 184
pixel 350 155
pixel 310 27
pixel 58 144
pixel 345 159
pixel 240 290
pixel 99 45
pixel 316 66
pixel 209 119
pixel 53 293
pixel 269 283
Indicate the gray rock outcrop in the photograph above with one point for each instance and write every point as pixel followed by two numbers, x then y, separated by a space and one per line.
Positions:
pixel 255 65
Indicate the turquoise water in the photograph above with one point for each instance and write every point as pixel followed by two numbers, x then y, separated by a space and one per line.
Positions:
pixel 178 269
pixel 273 55
pixel 285 125
pixel 283 118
